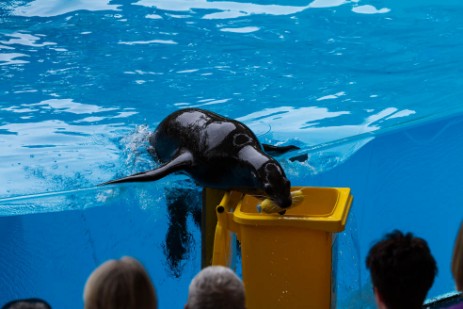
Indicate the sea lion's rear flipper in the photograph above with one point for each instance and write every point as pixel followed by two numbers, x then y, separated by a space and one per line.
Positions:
pixel 178 163
pixel 278 150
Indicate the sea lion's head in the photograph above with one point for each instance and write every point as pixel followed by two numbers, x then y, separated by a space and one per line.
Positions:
pixel 275 184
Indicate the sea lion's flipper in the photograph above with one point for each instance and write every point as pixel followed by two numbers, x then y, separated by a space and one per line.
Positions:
pixel 178 163
pixel 278 150
pixel 301 158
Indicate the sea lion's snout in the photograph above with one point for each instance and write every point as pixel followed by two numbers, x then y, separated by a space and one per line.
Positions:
pixel 283 196
pixel 285 202
pixel 279 189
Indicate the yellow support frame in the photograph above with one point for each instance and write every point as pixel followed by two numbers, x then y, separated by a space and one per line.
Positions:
pixel 286 259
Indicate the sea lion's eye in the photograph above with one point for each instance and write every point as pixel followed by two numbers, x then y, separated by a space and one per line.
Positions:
pixel 240 139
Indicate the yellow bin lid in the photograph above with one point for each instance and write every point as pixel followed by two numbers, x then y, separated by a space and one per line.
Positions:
pixel 323 209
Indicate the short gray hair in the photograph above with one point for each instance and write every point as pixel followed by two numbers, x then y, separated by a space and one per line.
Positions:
pixel 216 287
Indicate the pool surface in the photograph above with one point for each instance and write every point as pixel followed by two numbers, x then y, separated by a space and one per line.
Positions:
pixel 370 90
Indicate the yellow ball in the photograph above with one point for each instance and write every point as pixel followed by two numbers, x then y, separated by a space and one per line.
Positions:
pixel 268 206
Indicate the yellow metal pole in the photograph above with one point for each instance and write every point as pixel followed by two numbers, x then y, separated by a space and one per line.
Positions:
pixel 211 198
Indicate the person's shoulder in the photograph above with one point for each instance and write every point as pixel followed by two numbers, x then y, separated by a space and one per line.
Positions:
pixel 457 306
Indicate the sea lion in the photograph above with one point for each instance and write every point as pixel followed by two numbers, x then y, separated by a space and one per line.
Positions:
pixel 217 152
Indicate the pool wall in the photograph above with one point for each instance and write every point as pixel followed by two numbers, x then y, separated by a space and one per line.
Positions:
pixel 409 179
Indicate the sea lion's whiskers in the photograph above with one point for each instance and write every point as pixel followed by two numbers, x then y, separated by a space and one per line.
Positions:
pixel 259 196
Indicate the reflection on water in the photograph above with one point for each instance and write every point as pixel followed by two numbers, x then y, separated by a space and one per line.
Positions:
pixel 48 8
pixel 25 39
pixel 11 58
pixel 317 132
pixel 369 9
pixel 52 154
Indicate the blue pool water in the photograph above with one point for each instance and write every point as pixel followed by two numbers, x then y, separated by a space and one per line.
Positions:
pixel 371 90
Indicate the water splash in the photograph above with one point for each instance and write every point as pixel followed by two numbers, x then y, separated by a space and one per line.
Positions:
pixel 134 146
pixel 77 199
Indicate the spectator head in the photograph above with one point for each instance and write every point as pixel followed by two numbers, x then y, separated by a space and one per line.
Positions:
pixel 29 303
pixel 120 284
pixel 457 260
pixel 402 271
pixel 216 287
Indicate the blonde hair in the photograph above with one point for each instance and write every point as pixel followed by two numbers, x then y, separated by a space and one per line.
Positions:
pixel 216 287
pixel 120 284
pixel 457 259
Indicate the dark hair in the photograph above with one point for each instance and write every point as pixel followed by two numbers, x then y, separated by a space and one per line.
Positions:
pixel 29 303
pixel 402 270
pixel 457 259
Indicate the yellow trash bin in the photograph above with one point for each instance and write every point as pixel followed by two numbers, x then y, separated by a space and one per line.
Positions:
pixel 286 259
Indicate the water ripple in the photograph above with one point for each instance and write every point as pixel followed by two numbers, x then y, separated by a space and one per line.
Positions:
pixel 230 9
pixel 26 39
pixel 49 8
pixel 168 42
pixel 11 58
pixel 42 148
pixel 315 129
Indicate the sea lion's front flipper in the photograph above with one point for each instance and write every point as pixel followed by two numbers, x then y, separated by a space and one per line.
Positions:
pixel 278 150
pixel 178 163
